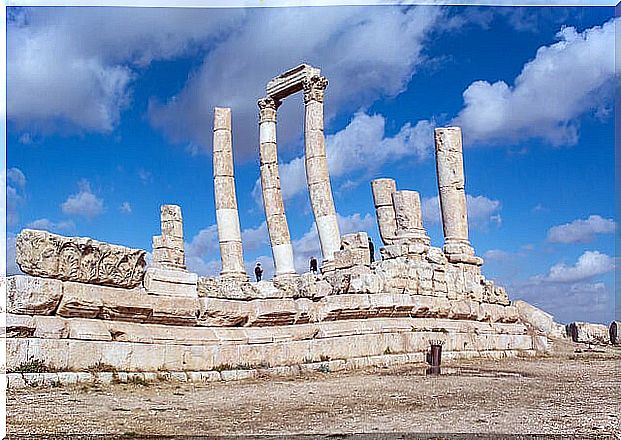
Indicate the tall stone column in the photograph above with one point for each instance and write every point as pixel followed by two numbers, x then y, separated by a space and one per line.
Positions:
pixel 383 190
pixel 409 217
pixel 317 174
pixel 227 217
pixel 277 226
pixel 450 171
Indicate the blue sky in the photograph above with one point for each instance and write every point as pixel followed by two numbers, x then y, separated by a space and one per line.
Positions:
pixel 110 115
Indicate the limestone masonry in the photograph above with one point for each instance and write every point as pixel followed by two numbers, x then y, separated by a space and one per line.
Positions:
pixel 85 304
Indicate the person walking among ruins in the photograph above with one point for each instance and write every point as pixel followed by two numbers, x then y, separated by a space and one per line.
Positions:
pixel 313 265
pixel 258 271
pixel 371 250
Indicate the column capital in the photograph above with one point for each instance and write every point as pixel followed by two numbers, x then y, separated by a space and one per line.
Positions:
pixel 267 109
pixel 314 88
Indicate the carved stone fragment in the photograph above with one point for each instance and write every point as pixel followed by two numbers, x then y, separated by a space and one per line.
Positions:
pixel 82 259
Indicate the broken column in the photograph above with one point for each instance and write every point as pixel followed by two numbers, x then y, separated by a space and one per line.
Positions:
pixel 450 172
pixel 277 226
pixel 167 274
pixel 317 174
pixel 227 217
pixel 384 209
pixel 409 220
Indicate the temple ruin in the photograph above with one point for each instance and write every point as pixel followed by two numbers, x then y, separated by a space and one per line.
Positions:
pixel 85 303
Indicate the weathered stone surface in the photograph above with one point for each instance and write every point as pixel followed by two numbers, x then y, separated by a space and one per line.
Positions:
pixel 80 301
pixel 20 326
pixel 42 254
pixel 50 327
pixel 589 333
pixel 363 280
pixel 535 318
pixel 168 248
pixel 32 296
pixel 160 281
pixel 393 251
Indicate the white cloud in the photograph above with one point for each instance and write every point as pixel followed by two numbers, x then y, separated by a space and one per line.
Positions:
pixel 581 231
pixel 481 211
pixel 90 56
pixel 125 208
pixel 360 147
pixel 84 202
pixel 589 265
pixel 16 177
pixel 564 81
pixel 15 186
pixel 48 225
pixel 366 53
pixel 497 255
pixel 254 238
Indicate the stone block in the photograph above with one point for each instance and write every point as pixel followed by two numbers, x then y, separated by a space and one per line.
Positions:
pixel 348 306
pixel 174 310
pixel 50 327
pixel 393 251
pixel 346 258
pixel 223 312
pixel 88 329
pixel 271 312
pixel 124 305
pixel 356 240
pixel 20 326
pixel 363 280
pixel 535 318
pixel 589 333
pixel 80 300
pixel 159 281
pixel 32 296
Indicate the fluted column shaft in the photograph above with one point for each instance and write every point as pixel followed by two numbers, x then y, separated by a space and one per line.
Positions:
pixel 277 226
pixel 227 216
pixel 409 216
pixel 317 174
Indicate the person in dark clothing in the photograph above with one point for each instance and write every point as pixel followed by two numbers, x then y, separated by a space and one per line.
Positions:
pixel 313 265
pixel 258 271
pixel 371 250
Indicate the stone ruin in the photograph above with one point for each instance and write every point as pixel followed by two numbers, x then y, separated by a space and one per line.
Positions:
pixel 86 304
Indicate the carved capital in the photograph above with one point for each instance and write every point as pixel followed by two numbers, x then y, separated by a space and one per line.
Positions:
pixel 267 109
pixel 314 88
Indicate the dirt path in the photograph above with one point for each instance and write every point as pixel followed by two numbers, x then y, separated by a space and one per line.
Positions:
pixel 563 394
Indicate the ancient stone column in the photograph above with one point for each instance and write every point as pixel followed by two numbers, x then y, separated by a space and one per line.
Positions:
pixel 409 217
pixel 167 274
pixel 277 226
pixel 227 217
pixel 384 209
pixel 317 174
pixel 168 248
pixel 450 172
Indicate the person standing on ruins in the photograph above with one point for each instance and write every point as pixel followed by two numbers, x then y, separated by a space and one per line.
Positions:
pixel 371 250
pixel 258 271
pixel 313 265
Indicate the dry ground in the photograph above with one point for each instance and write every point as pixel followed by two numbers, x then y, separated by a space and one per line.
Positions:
pixel 570 392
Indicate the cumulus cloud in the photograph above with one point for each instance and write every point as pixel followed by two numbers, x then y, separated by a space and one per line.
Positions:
pixel 15 186
pixel 564 81
pixel 91 56
pixel 366 53
pixel 125 208
pixel 84 202
pixel 589 265
pixel 497 255
pixel 362 146
pixel 11 266
pixel 48 225
pixel 482 211
pixel 581 231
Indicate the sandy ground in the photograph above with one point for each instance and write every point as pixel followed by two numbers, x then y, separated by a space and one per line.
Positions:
pixel 573 391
